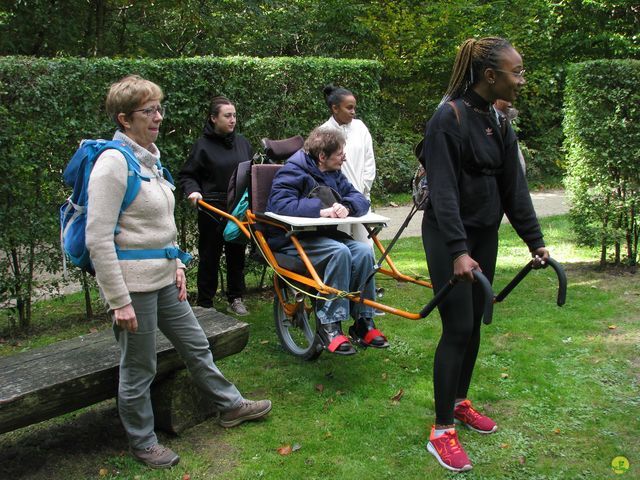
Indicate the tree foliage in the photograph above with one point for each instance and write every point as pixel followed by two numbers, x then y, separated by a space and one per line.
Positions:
pixel 415 40
pixel 602 125
pixel 61 101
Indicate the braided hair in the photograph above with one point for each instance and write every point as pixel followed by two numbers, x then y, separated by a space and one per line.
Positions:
pixel 473 58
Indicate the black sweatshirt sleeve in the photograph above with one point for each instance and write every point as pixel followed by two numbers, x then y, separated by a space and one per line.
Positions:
pixel 190 172
pixel 515 196
pixel 443 163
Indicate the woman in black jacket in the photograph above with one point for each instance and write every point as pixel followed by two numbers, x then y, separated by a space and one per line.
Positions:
pixel 474 178
pixel 205 175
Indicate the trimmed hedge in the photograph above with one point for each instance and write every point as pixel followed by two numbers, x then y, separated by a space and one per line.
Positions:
pixel 48 105
pixel 602 127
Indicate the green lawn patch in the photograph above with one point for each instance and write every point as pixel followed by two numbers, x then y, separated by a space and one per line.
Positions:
pixel 562 383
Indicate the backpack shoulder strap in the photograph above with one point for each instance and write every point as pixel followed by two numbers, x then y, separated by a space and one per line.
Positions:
pixel 460 111
pixel 134 174
pixel 461 116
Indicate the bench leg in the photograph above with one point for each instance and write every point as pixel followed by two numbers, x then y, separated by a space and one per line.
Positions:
pixel 178 404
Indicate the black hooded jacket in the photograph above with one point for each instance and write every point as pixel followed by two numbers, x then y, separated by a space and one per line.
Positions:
pixel 211 163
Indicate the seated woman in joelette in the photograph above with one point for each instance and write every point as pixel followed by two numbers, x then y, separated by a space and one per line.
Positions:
pixel 310 184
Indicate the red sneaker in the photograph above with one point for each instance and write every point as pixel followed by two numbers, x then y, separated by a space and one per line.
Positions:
pixel 466 414
pixel 448 451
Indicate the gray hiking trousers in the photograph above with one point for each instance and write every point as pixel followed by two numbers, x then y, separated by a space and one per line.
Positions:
pixel 162 310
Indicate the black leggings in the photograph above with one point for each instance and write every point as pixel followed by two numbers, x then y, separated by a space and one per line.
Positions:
pixel 461 314
pixel 210 245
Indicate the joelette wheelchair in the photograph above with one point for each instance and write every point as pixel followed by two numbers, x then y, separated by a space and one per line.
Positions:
pixel 298 283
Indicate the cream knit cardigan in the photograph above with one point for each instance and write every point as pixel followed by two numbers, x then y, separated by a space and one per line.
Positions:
pixel 148 223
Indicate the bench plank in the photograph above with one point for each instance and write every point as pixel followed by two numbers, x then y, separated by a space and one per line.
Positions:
pixel 62 377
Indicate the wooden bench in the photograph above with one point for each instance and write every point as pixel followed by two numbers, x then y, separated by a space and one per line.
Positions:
pixel 62 377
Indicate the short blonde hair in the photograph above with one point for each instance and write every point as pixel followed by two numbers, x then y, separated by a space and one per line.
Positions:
pixel 129 93
pixel 325 140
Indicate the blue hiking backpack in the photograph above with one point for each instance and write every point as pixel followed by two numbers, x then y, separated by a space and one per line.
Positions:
pixel 73 212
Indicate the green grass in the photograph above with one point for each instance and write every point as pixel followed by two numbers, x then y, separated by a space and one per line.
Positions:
pixel 562 385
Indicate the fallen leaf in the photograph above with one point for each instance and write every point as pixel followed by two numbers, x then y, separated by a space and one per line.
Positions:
pixel 521 460
pixel 339 392
pixel 396 398
pixel 320 387
pixel 384 376
pixel 285 450
pixel 103 472
pixel 612 327
pixel 93 330
pixel 264 342
pixel 328 435
pixel 296 447
pixel 186 476
pixel 393 204
pixel 504 375
pixel 556 431
pixel 504 445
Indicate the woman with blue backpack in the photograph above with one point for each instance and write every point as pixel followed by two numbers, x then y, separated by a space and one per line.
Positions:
pixel 143 285
pixel 205 176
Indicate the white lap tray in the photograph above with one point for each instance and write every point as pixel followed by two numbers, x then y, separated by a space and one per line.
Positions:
pixel 305 223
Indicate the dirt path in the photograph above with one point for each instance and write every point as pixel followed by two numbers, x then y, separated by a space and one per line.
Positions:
pixel 546 203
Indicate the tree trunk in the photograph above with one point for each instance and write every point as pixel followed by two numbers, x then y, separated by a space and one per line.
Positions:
pixel 29 282
pixel 603 254
pixel 18 294
pixel 87 296
pixel 99 15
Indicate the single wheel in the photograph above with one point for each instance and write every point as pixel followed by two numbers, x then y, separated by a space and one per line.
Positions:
pixel 295 323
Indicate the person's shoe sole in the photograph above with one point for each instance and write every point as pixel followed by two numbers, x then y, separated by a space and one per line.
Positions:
pixel 432 450
pixel 484 432
pixel 237 421
pixel 158 466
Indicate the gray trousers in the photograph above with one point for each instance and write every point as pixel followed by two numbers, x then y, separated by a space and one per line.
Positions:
pixel 162 310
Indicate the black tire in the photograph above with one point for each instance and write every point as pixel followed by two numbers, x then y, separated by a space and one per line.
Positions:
pixel 297 333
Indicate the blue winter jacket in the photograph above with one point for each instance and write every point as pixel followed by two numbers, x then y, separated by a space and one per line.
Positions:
pixel 291 187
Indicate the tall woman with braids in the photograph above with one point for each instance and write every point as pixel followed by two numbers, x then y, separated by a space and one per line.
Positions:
pixel 474 178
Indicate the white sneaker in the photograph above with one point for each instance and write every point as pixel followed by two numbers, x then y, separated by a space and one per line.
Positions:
pixel 238 307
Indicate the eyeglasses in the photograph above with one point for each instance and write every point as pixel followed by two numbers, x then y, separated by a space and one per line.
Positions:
pixel 519 74
pixel 151 111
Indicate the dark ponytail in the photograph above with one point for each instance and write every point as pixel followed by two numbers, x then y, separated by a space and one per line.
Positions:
pixel 334 95
pixel 216 103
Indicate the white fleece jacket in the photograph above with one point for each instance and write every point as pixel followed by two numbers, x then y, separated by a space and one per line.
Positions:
pixel 148 223
pixel 360 166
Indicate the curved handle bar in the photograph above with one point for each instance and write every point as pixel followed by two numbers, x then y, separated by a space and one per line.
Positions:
pixel 444 291
pixel 562 281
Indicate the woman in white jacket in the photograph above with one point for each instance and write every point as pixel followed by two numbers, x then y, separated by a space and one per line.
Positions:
pixel 360 164
pixel 147 294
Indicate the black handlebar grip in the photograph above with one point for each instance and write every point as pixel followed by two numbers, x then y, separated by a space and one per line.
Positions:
pixel 444 291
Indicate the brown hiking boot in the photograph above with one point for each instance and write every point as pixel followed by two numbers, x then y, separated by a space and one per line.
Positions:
pixel 248 410
pixel 156 456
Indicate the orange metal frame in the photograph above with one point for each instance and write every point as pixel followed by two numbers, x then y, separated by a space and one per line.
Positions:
pixel 314 281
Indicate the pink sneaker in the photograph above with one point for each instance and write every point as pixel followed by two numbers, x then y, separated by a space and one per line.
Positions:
pixel 448 451
pixel 464 413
